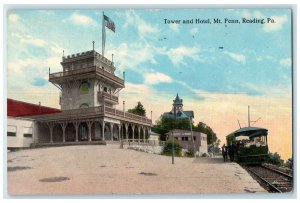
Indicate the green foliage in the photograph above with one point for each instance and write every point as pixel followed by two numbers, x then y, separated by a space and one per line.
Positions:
pixel 204 155
pixel 138 110
pixel 275 159
pixel 214 148
pixel 230 139
pixel 289 163
pixel 165 124
pixel 167 150
pixel 190 153
pixel 211 135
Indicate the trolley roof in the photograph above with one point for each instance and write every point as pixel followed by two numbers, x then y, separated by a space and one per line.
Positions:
pixel 250 132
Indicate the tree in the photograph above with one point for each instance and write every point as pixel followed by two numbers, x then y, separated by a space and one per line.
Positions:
pixel 275 159
pixel 167 149
pixel 138 110
pixel 165 124
pixel 211 135
pixel 289 163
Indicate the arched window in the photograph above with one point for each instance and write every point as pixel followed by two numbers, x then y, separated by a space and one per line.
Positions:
pixel 105 89
pixel 84 105
pixel 84 87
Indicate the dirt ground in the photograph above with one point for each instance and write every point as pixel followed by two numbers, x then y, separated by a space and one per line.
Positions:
pixel 99 169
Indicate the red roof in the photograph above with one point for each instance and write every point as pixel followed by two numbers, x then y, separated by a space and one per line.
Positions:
pixel 18 109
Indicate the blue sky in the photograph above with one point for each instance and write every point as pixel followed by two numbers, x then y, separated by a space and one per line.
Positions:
pixel 252 54
pixel 253 68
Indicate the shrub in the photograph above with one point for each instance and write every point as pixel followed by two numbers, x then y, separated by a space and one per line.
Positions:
pixel 167 150
pixel 289 163
pixel 190 153
pixel 274 159
pixel 204 155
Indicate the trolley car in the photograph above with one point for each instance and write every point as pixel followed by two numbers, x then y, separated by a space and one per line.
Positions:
pixel 248 145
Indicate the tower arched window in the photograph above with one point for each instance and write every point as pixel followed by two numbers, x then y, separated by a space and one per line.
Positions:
pixel 105 89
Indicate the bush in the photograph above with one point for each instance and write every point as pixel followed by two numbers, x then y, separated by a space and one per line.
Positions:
pixel 167 150
pixel 190 153
pixel 274 159
pixel 204 155
pixel 289 163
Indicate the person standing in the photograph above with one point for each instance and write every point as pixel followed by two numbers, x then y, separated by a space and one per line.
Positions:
pixel 224 153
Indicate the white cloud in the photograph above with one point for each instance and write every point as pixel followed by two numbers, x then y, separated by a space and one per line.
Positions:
pixel 194 31
pixel 27 39
pixel 130 56
pixel 155 78
pixel 13 18
pixel 177 55
pixel 16 67
pixel 273 27
pixel 143 27
pixel 286 62
pixel 33 41
pixel 136 89
pixel 245 13
pixel 174 27
pixel 236 57
pixel 56 48
pixel 82 20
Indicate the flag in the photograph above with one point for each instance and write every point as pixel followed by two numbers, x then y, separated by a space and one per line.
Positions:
pixel 109 23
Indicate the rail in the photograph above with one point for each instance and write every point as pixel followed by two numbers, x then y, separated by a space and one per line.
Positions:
pixel 99 110
pixel 93 69
pixel 107 96
pixel 276 180
pixel 127 115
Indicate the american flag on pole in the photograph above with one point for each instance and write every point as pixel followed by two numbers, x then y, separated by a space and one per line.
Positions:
pixel 109 23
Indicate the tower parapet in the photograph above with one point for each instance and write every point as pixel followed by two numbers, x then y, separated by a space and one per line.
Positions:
pixel 87 59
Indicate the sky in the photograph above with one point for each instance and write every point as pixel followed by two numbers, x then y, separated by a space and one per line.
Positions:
pixel 218 69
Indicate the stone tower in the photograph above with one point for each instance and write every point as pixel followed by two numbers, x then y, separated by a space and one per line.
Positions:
pixel 88 80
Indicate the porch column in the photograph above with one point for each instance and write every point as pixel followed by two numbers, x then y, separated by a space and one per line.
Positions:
pixel 133 133
pixel 63 126
pixel 51 134
pixel 139 129
pixel 89 123
pixel 120 132
pixel 51 125
pixel 103 127
pixel 126 132
pixel 76 125
pixel 112 131
pixel 144 136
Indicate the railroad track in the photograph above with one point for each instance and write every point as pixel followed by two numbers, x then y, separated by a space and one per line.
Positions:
pixel 274 180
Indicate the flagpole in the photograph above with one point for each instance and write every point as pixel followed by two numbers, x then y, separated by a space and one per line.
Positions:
pixel 103 34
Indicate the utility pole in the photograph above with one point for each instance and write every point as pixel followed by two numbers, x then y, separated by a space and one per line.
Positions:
pixel 192 137
pixel 248 116
pixel 172 147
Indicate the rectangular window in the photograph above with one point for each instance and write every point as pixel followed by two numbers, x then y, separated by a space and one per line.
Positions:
pixel 11 130
pixel 27 135
pixel 27 131
pixel 11 134
pixel 194 138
